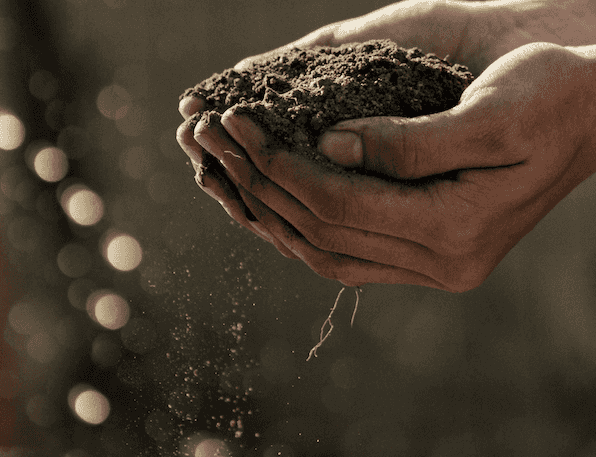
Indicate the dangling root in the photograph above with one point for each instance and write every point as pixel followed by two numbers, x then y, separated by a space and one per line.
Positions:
pixel 322 338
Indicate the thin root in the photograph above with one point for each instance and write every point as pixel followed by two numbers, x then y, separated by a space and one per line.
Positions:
pixel 323 337
pixel 235 155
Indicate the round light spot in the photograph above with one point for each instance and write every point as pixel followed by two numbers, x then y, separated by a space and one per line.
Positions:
pixel 50 164
pixel 42 347
pixel 82 205
pixel 29 316
pixel 105 350
pixel 136 162
pixel 12 132
pixel 74 260
pixel 113 102
pixel 212 447
pixel 134 123
pixel 203 444
pixel 41 411
pixel 43 85
pixel 108 309
pixel 88 404
pixel 123 252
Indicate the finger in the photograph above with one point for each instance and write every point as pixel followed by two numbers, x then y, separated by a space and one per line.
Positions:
pixel 216 140
pixel 331 265
pixel 360 201
pixel 191 104
pixel 185 138
pixel 357 243
pixel 219 187
pixel 466 137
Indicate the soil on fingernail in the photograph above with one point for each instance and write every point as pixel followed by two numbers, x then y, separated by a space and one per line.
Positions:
pixel 296 95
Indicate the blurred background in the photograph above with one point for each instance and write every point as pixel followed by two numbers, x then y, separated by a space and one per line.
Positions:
pixel 138 320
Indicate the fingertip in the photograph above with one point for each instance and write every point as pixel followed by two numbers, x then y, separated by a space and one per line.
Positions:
pixel 246 133
pixel 190 105
pixel 243 65
pixel 342 147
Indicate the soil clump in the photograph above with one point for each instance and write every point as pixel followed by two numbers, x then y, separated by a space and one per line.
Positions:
pixel 298 94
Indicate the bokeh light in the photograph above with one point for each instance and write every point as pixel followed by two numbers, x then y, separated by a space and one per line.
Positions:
pixel 42 347
pixel 88 404
pixel 122 251
pixel 43 85
pixel 74 260
pixel 12 132
pixel 108 309
pixel 137 161
pixel 30 316
pixel 51 164
pixel 204 444
pixel 134 122
pixel 113 102
pixel 82 205
pixel 41 411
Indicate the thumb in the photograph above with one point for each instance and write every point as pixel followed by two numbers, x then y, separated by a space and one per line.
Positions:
pixel 408 148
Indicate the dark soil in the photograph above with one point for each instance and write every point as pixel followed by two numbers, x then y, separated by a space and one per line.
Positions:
pixel 296 95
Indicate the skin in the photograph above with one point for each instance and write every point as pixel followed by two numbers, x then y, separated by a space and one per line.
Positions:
pixel 520 140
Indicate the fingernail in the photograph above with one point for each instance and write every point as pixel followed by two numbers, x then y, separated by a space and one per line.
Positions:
pixel 342 147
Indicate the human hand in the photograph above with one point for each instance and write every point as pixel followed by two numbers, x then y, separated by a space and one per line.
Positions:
pixel 472 33
pixel 512 149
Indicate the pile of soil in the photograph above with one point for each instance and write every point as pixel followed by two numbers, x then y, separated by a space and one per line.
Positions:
pixel 298 94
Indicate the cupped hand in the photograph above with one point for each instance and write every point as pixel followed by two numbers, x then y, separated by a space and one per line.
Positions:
pixel 473 33
pixel 440 199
